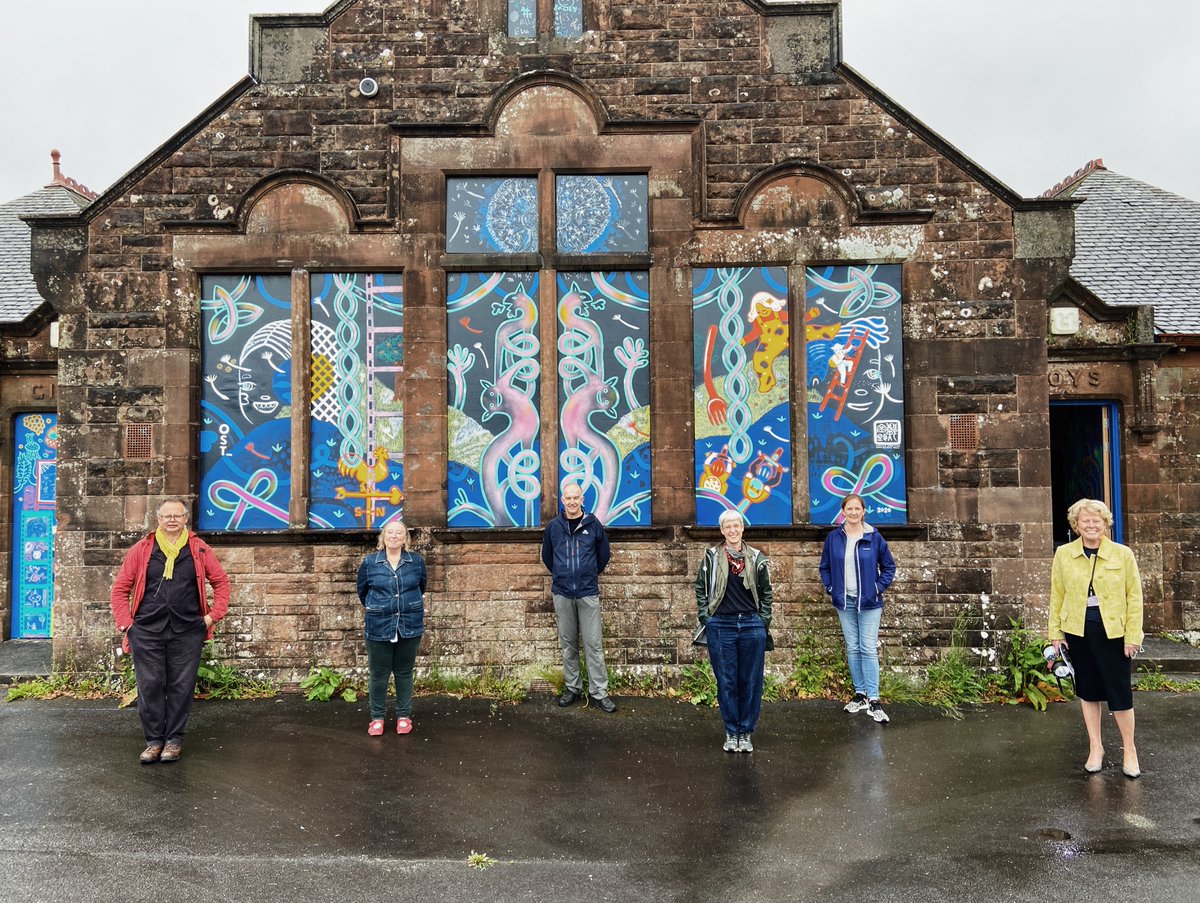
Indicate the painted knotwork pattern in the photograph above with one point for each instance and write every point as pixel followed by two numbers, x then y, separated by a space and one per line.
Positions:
pixel 742 406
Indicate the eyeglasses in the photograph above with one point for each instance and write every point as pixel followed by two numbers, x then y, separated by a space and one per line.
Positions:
pixel 172 517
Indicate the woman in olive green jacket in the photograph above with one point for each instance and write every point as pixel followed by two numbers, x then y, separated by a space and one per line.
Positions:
pixel 1096 609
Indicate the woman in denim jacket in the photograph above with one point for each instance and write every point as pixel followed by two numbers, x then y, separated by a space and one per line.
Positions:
pixel 856 567
pixel 391 587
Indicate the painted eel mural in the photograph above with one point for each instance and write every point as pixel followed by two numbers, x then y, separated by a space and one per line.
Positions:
pixel 492 215
pixel 357 425
pixel 604 392
pixel 35 466
pixel 245 403
pixel 602 214
pixel 493 346
pixel 742 409
pixel 855 397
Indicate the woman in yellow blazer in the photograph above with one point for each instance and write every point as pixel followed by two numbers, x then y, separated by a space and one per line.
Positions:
pixel 1096 609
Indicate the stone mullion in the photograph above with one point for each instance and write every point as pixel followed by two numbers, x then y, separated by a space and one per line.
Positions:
pixel 301 399
pixel 798 391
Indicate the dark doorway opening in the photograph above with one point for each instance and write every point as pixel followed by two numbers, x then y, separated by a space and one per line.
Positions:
pixel 1084 461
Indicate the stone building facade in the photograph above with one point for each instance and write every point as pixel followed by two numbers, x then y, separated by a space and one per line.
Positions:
pixel 550 221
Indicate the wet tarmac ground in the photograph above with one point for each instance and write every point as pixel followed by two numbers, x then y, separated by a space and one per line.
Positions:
pixel 283 800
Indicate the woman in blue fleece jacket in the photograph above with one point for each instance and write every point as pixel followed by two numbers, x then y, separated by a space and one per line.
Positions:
pixel 856 567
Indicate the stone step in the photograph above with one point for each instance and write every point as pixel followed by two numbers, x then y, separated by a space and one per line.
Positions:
pixel 1170 655
pixel 22 659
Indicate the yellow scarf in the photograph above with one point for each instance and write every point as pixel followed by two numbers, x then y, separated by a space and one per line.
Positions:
pixel 171 552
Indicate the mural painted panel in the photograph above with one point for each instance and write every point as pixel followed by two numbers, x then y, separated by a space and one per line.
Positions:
pixel 494 477
pixel 357 425
pixel 602 214
pixel 35 466
pixel 742 409
pixel 568 18
pixel 604 392
pixel 855 398
pixel 492 215
pixel 245 403
pixel 522 18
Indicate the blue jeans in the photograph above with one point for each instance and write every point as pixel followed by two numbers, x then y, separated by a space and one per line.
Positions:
pixel 861 630
pixel 736 648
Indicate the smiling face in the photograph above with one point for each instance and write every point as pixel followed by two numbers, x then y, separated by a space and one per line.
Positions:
pixel 395 537
pixel 1090 526
pixel 852 509
pixel 572 501
pixel 732 529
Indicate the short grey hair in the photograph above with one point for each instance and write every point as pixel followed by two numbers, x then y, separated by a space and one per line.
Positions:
pixel 728 515
pixel 177 500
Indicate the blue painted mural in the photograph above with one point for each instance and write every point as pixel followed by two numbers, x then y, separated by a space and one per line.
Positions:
pixel 245 403
pixel 492 215
pixel 604 392
pixel 855 396
pixel 602 214
pixel 35 457
pixel 742 407
pixel 357 423
pixel 494 477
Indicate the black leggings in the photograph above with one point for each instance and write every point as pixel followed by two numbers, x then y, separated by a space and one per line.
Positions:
pixel 1102 670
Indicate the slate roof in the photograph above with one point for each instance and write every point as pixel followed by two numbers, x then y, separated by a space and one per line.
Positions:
pixel 1137 244
pixel 18 293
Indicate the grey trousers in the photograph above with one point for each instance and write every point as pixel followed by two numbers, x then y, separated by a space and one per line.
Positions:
pixel 581 617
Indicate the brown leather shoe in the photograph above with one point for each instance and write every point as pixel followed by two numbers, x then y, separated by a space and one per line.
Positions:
pixel 171 753
pixel 151 754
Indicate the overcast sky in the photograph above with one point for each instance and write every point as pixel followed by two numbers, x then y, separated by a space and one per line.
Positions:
pixel 1030 89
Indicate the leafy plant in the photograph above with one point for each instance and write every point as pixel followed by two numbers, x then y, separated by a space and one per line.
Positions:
pixel 490 683
pixel 324 683
pixel 216 680
pixel 1023 674
pixel 819 669
pixel 75 684
pixel 1153 679
pixel 773 687
pixel 698 684
pixel 480 861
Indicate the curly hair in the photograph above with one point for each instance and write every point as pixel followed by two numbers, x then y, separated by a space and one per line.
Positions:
pixel 1089 506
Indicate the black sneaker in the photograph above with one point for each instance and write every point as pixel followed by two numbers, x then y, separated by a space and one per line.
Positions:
pixel 569 697
pixel 606 705
pixel 875 710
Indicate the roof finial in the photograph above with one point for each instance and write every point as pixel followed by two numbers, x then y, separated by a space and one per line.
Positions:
pixel 65 181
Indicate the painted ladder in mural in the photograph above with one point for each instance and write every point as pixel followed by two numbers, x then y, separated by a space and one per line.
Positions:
pixel 855 420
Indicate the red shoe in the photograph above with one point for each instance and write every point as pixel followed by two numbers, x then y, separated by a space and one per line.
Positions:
pixel 403 725
pixel 375 728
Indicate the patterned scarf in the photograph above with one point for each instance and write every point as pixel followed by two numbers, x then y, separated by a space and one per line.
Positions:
pixel 170 552
pixel 737 561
